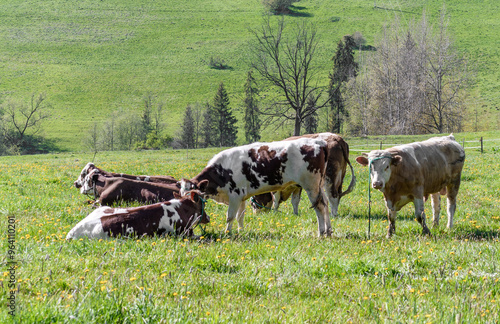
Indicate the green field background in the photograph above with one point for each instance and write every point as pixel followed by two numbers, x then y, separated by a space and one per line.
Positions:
pixel 91 57
pixel 276 270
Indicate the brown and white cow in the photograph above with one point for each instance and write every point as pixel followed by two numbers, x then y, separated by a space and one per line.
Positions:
pixel 338 159
pixel 412 172
pixel 91 166
pixel 111 190
pixel 177 216
pixel 236 174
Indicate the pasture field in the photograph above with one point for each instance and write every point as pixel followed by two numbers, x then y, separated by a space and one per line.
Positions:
pixel 91 58
pixel 276 270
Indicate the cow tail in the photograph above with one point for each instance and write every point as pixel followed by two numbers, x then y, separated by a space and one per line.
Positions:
pixel 345 152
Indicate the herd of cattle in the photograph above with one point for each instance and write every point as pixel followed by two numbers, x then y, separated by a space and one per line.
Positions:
pixel 267 174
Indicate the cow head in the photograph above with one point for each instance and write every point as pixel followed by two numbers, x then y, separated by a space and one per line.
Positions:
pixel 380 164
pixel 187 185
pixel 85 171
pixel 196 197
pixel 87 185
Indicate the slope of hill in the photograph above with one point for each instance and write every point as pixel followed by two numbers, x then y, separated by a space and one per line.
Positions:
pixel 91 58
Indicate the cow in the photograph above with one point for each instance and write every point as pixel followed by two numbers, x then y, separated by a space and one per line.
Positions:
pixel 267 200
pixel 412 172
pixel 236 174
pixel 338 159
pixel 178 216
pixel 91 166
pixel 111 190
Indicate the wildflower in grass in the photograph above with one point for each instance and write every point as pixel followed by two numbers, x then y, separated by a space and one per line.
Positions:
pixel 424 279
pixel 271 259
pixel 175 294
pixel 183 284
pixel 403 261
pixel 103 288
pixel 133 279
pixel 247 251
pixel 163 275
pixel 207 313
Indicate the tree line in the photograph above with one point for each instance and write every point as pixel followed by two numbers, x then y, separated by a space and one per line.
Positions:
pixel 413 81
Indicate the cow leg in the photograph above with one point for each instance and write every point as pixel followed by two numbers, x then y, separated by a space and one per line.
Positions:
pixel 391 216
pixel 318 203
pixel 451 202
pixel 296 200
pixel 276 200
pixel 332 191
pixel 436 208
pixel 240 215
pixel 420 215
pixel 232 211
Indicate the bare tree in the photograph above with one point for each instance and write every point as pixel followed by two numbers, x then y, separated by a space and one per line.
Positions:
pixel 447 77
pixel 285 61
pixel 21 120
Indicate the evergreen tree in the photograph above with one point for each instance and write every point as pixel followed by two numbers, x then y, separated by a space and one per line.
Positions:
pixel 208 129
pixel 252 120
pixel 225 122
pixel 344 68
pixel 187 132
pixel 311 120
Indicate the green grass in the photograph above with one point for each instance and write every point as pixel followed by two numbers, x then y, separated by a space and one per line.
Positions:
pixel 94 57
pixel 275 270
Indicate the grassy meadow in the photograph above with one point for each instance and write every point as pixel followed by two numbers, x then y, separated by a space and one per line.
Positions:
pixel 276 270
pixel 91 58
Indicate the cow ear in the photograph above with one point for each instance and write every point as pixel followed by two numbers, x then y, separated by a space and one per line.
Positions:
pixel 178 184
pixel 202 185
pixel 362 160
pixel 396 159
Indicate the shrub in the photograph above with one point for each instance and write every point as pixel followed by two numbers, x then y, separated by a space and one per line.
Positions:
pixel 278 7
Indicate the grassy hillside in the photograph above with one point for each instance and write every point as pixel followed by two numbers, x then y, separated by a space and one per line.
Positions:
pixel 94 57
pixel 274 271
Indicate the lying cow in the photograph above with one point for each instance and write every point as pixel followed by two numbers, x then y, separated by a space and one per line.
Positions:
pixel 177 216
pixel 414 171
pixel 338 159
pixel 90 167
pixel 236 174
pixel 111 190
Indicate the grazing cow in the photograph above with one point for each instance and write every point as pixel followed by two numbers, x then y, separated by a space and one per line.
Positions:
pixel 412 172
pixel 338 159
pixel 236 174
pixel 178 216
pixel 90 167
pixel 110 190
pixel 266 200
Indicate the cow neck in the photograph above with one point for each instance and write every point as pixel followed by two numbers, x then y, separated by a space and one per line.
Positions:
pixel 97 187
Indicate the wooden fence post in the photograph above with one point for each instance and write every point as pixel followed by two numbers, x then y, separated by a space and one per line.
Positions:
pixel 481 145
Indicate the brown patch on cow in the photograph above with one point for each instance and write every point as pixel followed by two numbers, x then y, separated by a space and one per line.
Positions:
pixel 315 164
pixel 139 221
pixel 265 165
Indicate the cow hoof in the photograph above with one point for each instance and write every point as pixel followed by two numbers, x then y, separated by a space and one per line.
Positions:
pixel 425 231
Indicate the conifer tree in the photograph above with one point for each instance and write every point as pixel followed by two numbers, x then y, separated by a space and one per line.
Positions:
pixel 208 129
pixel 224 120
pixel 252 120
pixel 344 68
pixel 187 132
pixel 311 120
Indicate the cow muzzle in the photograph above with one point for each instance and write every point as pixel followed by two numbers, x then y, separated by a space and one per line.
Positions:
pixel 377 185
pixel 77 184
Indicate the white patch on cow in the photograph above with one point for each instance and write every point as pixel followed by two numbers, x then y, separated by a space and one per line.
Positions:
pixel 168 223
pixel 147 178
pixel 91 225
pixel 129 230
pixel 138 178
